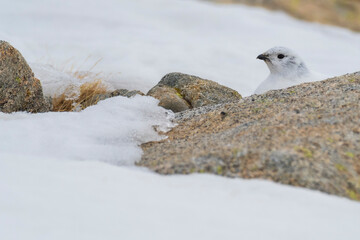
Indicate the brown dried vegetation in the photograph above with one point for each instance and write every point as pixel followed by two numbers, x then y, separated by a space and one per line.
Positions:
pixel 87 97
pixel 343 13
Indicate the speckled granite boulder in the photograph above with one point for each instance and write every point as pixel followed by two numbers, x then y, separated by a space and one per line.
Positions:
pixel 307 135
pixel 19 89
pixel 179 92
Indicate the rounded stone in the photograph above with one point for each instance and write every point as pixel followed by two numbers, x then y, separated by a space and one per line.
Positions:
pixel 179 90
pixel 19 89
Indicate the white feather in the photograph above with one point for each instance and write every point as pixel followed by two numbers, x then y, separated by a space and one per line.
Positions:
pixel 286 69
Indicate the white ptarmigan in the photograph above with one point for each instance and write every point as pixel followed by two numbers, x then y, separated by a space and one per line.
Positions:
pixel 286 69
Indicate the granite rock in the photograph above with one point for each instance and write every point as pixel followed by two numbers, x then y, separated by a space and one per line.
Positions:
pixel 307 135
pixel 179 92
pixel 118 92
pixel 19 89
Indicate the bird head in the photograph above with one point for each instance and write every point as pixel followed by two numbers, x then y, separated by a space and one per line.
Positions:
pixel 283 61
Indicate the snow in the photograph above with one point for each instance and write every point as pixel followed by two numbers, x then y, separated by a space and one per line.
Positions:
pixel 56 82
pixel 72 200
pixel 139 41
pixel 72 175
pixel 103 132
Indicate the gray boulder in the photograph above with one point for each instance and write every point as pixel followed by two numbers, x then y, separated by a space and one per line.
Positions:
pixel 179 92
pixel 19 89
pixel 307 135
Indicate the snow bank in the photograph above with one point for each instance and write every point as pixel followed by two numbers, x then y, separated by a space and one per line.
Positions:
pixel 110 131
pixel 44 198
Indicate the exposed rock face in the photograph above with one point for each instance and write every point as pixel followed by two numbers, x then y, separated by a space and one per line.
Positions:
pixel 179 92
pixel 19 89
pixel 307 135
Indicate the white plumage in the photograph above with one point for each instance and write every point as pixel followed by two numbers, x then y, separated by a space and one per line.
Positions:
pixel 286 69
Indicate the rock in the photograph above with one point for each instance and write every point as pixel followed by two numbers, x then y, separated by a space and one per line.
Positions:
pixel 307 135
pixel 179 92
pixel 118 92
pixel 169 98
pixel 102 96
pixel 126 93
pixel 19 89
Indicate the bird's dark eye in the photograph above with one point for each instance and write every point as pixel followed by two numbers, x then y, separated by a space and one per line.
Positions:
pixel 281 56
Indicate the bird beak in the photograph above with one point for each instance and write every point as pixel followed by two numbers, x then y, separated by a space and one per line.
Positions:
pixel 263 57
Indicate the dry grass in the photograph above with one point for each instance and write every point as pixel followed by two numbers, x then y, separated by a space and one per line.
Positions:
pixel 343 13
pixel 87 94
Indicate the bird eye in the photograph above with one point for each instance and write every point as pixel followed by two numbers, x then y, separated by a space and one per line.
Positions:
pixel 281 56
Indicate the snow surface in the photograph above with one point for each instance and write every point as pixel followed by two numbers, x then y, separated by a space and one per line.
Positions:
pixel 44 198
pixel 55 178
pixel 139 41
pixel 109 131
